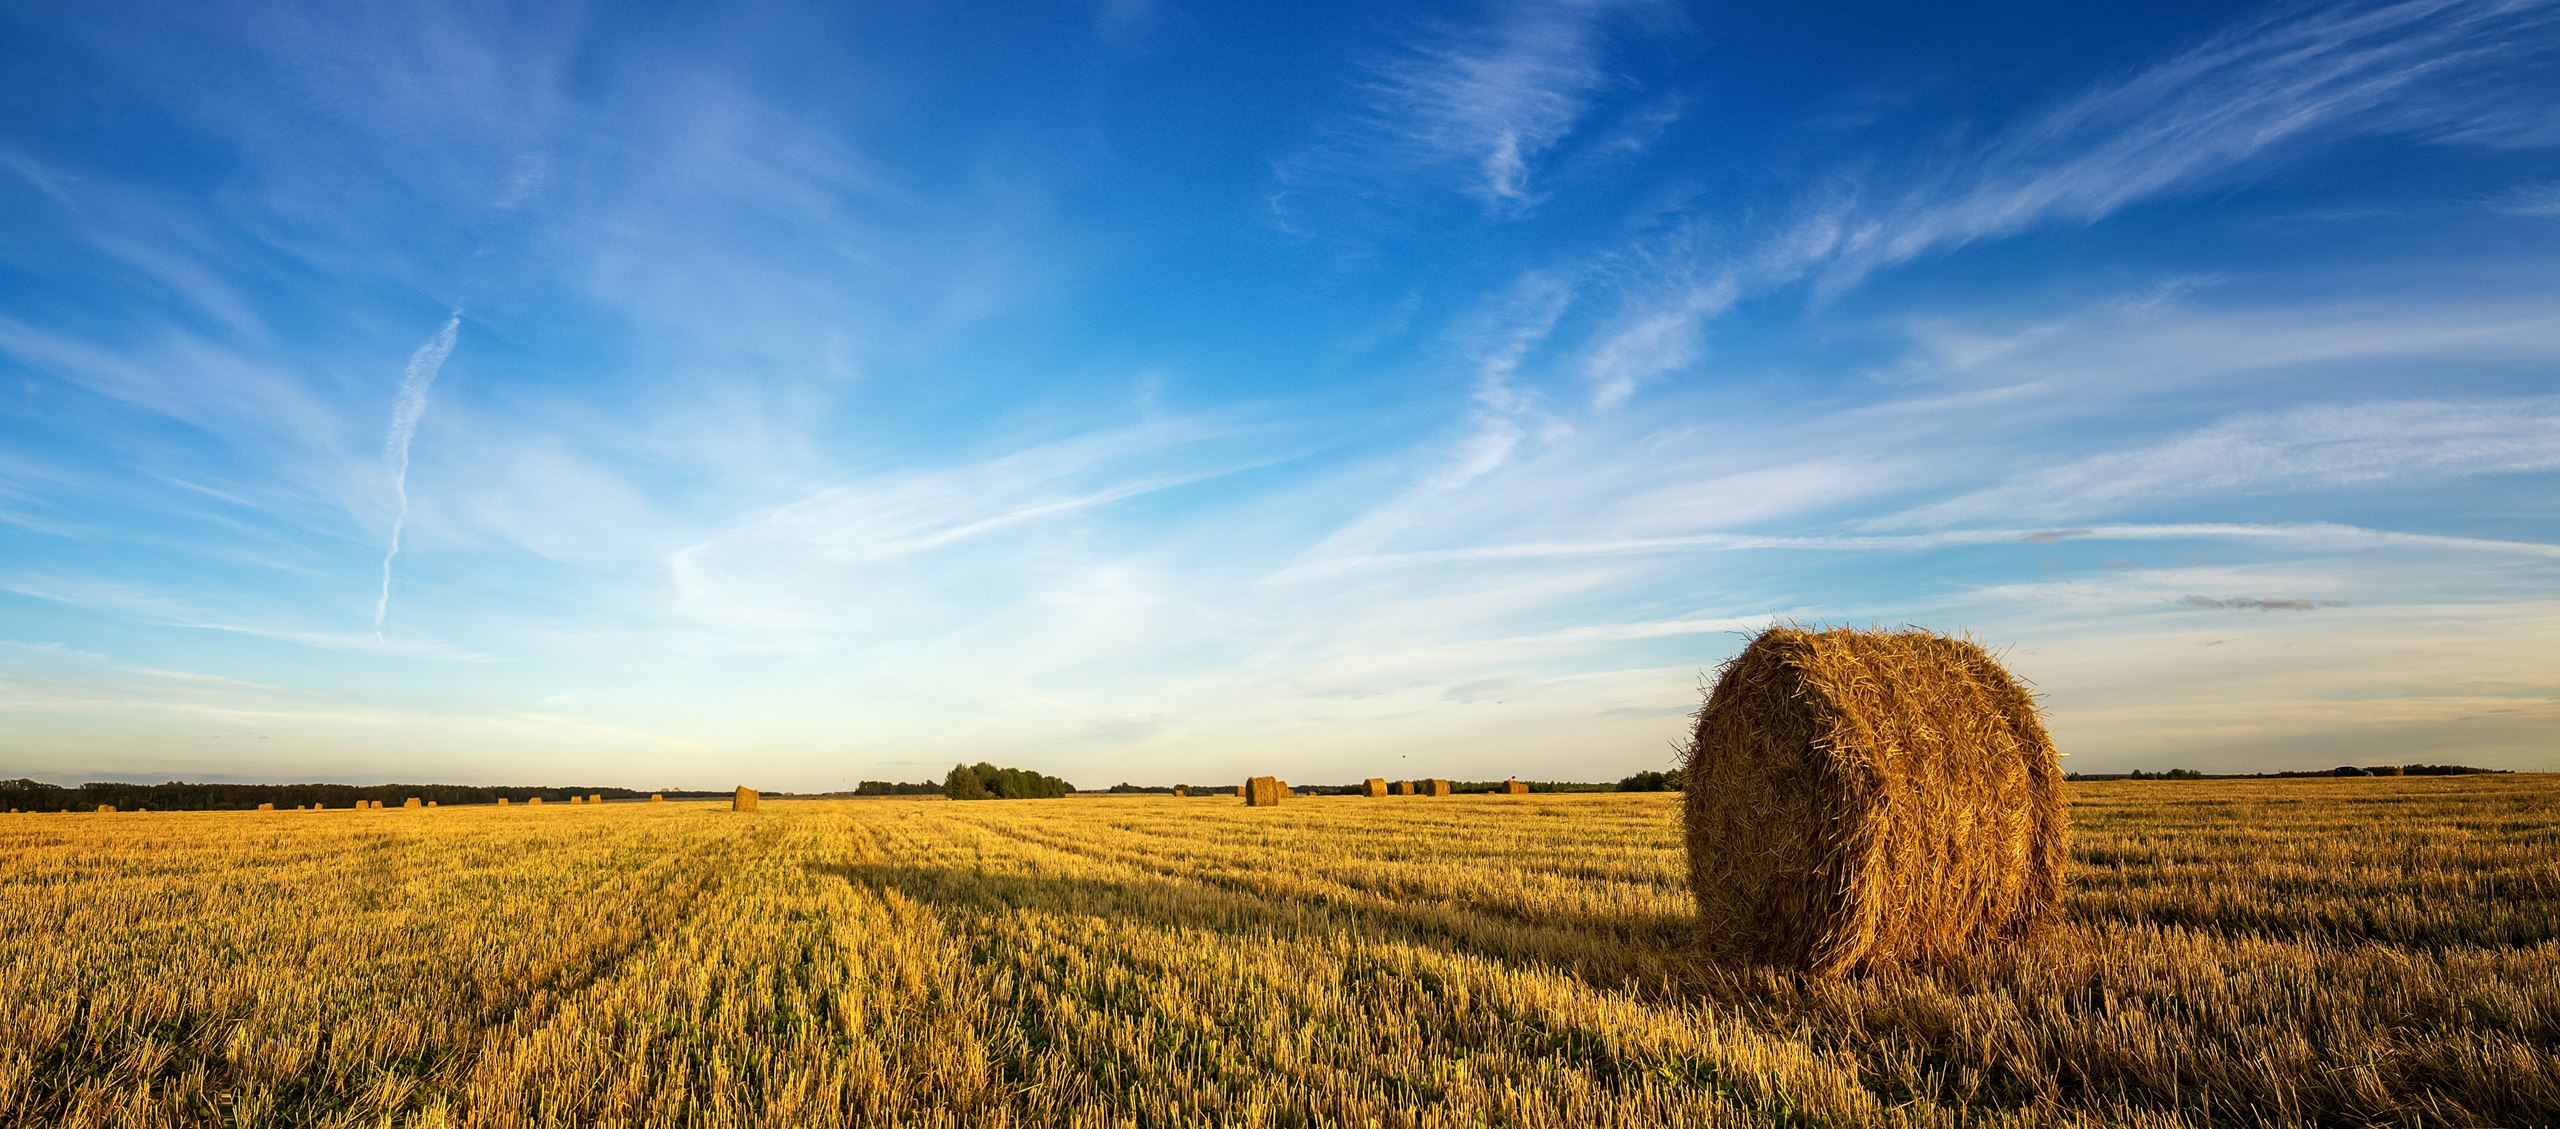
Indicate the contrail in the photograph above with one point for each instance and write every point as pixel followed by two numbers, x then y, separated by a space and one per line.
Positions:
pixel 414 382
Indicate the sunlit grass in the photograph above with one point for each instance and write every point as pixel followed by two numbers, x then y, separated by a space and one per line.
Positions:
pixel 2334 951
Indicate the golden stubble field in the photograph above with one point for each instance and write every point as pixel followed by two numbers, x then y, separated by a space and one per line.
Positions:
pixel 2309 951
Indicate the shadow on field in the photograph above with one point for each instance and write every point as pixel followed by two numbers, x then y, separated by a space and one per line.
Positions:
pixel 1661 959
pixel 1655 956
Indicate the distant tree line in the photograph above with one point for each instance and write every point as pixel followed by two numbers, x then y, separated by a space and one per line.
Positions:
pixel 983 781
pixel 2298 774
pixel 889 788
pixel 177 795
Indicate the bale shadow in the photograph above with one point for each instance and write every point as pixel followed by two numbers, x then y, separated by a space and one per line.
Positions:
pixel 1665 960
pixel 1655 956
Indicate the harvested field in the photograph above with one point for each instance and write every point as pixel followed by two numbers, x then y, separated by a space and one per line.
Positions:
pixel 2312 951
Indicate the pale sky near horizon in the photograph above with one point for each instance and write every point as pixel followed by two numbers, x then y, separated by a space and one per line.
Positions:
pixel 1149 391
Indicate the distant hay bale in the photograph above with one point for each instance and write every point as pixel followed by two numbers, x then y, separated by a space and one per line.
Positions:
pixel 1436 787
pixel 1404 787
pixel 595 797
pixel 1515 788
pixel 657 798
pixel 1240 791
pixel 412 802
pixel 266 807
pixel 502 801
pixel 745 800
pixel 533 801
pixel 106 809
pixel 1262 792
pixel 1180 790
pixel 1374 786
pixel 431 803
pixel 1857 799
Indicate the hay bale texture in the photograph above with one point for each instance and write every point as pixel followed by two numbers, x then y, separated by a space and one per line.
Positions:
pixel 1515 788
pixel 745 799
pixel 1857 799
pixel 657 798
pixel 1435 787
pixel 266 807
pixel 412 802
pixel 1374 786
pixel 1262 792
pixel 1404 787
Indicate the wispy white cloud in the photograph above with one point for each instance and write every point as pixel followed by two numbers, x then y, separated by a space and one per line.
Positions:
pixel 406 409
pixel 2324 447
pixel 1484 104
pixel 2234 99
pixel 813 565
pixel 146 605
pixel 2268 90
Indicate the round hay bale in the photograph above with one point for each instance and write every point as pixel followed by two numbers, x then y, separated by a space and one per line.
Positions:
pixel 1856 799
pixel 1262 792
pixel 745 799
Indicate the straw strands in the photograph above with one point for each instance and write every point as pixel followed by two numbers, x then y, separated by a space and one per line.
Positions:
pixel 745 800
pixel 1374 786
pixel 1864 798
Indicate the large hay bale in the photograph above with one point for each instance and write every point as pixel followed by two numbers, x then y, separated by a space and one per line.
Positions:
pixel 595 797
pixel 1181 790
pixel 1262 792
pixel 1404 787
pixel 502 801
pixel 1435 787
pixel 533 801
pixel 1861 798
pixel 412 802
pixel 657 798
pixel 1515 788
pixel 1374 786
pixel 745 799
pixel 106 809
pixel 266 807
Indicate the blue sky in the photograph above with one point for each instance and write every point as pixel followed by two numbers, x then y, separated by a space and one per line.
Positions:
pixel 789 395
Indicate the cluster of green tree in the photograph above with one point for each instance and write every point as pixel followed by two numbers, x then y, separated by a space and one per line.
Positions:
pixel 34 795
pixel 892 788
pixel 1124 788
pixel 983 781
pixel 1652 781
pixel 2172 774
